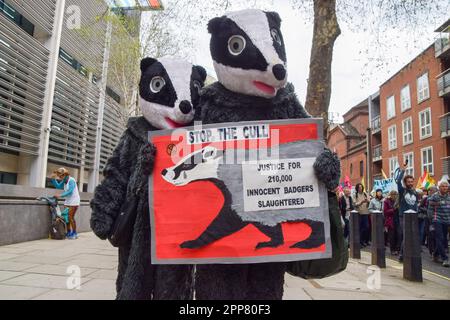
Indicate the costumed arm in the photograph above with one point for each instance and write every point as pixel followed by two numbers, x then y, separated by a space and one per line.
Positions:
pixel 327 166
pixel 111 193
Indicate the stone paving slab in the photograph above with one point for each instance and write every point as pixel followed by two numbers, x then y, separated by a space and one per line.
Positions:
pixel 38 270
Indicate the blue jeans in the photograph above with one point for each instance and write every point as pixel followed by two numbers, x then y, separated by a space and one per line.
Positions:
pixel 440 232
pixel 364 228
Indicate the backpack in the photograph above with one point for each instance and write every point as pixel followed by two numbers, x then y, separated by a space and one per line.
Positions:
pixel 322 268
pixel 58 229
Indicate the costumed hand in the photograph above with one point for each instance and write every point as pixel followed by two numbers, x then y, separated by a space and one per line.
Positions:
pixel 328 169
pixel 148 153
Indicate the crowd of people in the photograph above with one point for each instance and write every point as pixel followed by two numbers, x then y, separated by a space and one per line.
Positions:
pixel 432 206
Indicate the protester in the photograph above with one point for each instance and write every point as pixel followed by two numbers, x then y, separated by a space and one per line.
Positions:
pixel 408 200
pixel 61 179
pixel 361 203
pixel 390 211
pixel 376 204
pixel 429 228
pixel 440 204
pixel 422 214
pixel 346 205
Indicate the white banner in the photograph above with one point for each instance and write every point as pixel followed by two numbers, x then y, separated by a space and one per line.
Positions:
pixel 280 184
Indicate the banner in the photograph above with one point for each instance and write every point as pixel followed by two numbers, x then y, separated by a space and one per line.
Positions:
pixel 387 185
pixel 238 193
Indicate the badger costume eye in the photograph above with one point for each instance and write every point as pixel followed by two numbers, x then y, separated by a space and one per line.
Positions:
pixel 197 85
pixel 157 84
pixel 236 44
pixel 276 36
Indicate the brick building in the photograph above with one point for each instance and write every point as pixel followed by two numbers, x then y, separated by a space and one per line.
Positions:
pixel 409 117
pixel 348 140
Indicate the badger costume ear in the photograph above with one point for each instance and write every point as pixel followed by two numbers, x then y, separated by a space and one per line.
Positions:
pixel 214 24
pixel 275 17
pixel 147 62
pixel 201 71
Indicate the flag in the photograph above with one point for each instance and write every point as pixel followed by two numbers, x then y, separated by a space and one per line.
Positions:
pixel 384 174
pixel 428 182
pixel 423 178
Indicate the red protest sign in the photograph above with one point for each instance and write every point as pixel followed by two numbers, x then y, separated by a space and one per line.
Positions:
pixel 208 208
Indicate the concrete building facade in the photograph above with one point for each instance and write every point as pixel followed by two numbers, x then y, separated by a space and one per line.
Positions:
pixel 52 79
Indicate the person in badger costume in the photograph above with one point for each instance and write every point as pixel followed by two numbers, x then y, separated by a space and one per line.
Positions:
pixel 249 57
pixel 169 92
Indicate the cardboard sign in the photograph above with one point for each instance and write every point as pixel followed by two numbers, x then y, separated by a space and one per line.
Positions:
pixel 238 193
pixel 386 185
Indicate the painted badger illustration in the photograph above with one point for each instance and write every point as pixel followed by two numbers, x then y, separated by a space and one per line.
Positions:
pixel 208 164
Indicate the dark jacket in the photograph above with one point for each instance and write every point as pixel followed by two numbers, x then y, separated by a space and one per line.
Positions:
pixel 126 172
pixel 343 205
pixel 263 280
pixel 408 198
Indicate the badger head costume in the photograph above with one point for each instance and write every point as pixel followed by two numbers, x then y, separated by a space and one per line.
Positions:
pixel 169 91
pixel 249 56
pixel 248 52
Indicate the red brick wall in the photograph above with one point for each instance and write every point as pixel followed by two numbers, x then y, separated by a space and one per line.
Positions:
pixel 408 75
pixel 338 143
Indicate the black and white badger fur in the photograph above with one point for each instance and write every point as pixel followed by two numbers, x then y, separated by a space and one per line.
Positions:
pixel 169 92
pixel 208 164
pixel 249 56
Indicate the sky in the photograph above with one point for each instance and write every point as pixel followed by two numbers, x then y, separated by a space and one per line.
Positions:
pixel 352 80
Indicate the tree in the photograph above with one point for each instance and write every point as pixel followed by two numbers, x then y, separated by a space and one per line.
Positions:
pixel 374 17
pixel 133 37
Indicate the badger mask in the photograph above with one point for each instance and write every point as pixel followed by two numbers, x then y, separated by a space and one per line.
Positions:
pixel 248 51
pixel 169 91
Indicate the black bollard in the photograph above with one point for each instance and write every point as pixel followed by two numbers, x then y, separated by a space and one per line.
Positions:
pixel 412 253
pixel 378 249
pixel 355 245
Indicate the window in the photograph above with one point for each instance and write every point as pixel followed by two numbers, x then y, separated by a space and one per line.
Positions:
pixel 393 165
pixel 390 107
pixel 425 123
pixel 110 92
pixel 361 168
pixel 15 16
pixel 410 168
pixel 8 178
pixel 351 169
pixel 407 131
pixel 423 89
pixel 427 160
pixel 392 137
pixel 405 97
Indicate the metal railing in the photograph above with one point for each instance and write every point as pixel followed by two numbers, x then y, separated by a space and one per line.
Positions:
pixel 376 153
pixel 443 82
pixel 445 125
pixel 446 166
pixel 375 124
pixel 441 44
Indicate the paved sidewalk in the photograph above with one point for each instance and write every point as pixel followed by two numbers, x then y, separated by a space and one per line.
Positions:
pixel 39 270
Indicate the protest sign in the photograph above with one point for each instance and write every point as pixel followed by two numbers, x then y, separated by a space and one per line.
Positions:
pixel 238 193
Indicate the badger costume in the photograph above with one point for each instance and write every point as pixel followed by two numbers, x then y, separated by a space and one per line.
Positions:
pixel 169 91
pixel 249 57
